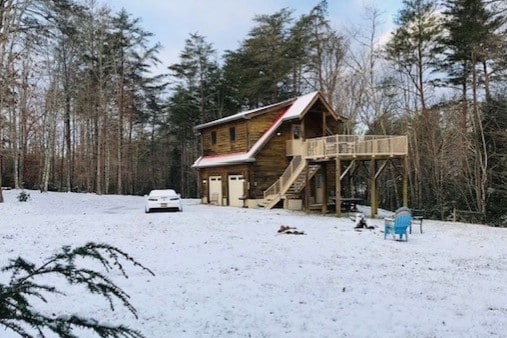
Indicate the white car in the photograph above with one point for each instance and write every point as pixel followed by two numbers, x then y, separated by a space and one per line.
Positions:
pixel 166 199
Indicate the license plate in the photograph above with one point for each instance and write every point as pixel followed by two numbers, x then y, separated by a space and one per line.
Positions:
pixel 163 205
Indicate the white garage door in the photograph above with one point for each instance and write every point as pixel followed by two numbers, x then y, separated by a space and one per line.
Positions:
pixel 215 190
pixel 236 190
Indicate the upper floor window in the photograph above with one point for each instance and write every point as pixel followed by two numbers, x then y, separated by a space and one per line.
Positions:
pixel 213 137
pixel 296 132
pixel 232 134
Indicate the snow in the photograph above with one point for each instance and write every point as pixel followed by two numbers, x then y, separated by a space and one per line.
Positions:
pixel 226 272
pixel 299 107
pixel 223 159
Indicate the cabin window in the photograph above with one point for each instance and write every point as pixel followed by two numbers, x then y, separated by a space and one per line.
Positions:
pixel 296 132
pixel 213 137
pixel 232 134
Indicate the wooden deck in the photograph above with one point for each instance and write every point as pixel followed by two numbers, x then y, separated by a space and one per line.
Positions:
pixel 307 154
pixel 349 146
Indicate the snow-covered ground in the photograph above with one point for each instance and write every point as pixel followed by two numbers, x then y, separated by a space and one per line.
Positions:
pixel 226 272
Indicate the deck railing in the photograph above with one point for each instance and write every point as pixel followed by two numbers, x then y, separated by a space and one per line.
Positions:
pixel 294 166
pixel 351 145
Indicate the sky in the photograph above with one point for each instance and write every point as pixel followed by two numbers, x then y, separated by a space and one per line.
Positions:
pixel 225 23
pixel 227 272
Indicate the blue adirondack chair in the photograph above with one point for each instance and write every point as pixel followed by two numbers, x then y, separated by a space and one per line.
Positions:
pixel 399 224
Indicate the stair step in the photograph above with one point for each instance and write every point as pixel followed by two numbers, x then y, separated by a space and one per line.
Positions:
pixel 298 183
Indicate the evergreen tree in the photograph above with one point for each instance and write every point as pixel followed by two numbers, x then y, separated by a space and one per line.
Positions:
pixel 471 39
pixel 235 77
pixel 198 73
pixel 495 124
pixel 28 283
pixel 182 107
pixel 66 50
pixel 411 51
pixel 195 100
pixel 412 44
pixel 261 68
pixel 469 44
pixel 318 53
pixel 132 56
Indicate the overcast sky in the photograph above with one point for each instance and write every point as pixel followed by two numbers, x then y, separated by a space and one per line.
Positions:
pixel 225 23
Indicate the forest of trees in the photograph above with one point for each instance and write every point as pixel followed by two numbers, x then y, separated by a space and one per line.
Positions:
pixel 81 108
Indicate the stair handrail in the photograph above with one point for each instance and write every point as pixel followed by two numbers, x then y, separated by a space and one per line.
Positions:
pixel 280 185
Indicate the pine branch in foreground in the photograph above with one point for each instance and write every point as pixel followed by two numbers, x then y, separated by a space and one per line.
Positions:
pixel 19 316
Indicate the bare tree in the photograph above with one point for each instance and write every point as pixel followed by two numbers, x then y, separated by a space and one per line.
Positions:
pixel 363 91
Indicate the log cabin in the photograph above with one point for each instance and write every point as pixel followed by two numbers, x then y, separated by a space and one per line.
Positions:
pixel 291 154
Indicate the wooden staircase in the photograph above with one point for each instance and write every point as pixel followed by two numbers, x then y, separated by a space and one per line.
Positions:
pixel 292 181
pixel 300 181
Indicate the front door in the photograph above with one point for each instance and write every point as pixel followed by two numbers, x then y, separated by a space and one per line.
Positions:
pixel 236 190
pixel 215 190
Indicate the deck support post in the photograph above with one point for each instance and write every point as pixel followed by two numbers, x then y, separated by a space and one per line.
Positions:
pixel 338 188
pixel 373 188
pixel 324 187
pixel 405 181
pixel 307 186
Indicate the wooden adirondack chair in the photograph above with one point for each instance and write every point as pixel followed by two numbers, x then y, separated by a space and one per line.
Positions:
pixel 399 224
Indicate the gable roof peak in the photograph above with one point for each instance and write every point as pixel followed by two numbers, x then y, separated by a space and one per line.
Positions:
pixel 296 106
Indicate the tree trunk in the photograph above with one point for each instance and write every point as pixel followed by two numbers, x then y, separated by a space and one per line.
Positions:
pixel 98 152
pixel 1 172
pixel 486 80
pixel 66 121
pixel 121 112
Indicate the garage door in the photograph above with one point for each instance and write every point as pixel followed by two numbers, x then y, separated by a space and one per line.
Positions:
pixel 236 190
pixel 215 190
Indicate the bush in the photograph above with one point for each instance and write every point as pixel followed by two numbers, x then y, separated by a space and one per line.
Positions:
pixel 23 196
pixel 25 285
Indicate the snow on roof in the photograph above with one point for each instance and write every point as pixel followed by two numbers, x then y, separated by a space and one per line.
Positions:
pixel 220 160
pixel 299 107
pixel 296 110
